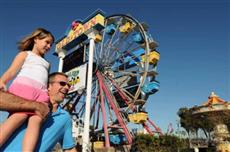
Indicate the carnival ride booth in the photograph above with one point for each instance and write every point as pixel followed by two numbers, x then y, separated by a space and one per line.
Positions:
pixel 124 68
pixel 216 112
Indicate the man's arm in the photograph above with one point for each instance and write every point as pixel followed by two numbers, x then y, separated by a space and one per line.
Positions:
pixel 10 102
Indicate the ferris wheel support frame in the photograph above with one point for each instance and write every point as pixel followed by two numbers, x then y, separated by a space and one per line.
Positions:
pixel 116 111
pixel 145 125
pixel 122 95
pixel 107 143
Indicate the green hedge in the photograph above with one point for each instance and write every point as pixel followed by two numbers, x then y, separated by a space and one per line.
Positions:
pixel 166 143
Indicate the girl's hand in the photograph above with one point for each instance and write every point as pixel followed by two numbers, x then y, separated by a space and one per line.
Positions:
pixel 2 86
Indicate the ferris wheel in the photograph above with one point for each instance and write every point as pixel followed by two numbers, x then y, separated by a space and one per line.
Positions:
pixel 124 68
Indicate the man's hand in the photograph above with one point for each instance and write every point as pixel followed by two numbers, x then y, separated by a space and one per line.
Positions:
pixel 42 110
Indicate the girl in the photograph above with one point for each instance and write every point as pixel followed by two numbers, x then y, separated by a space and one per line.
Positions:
pixel 30 83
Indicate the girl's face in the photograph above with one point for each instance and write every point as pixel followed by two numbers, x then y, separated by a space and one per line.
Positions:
pixel 42 46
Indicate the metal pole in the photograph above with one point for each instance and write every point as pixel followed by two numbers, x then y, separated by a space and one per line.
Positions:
pixel 107 144
pixel 60 65
pixel 86 141
pixel 61 54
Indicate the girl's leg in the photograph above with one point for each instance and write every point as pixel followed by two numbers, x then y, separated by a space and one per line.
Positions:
pixel 32 133
pixel 10 125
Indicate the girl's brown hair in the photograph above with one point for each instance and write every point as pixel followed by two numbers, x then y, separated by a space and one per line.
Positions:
pixel 27 43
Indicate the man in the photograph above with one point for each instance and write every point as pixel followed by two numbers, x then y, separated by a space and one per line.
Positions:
pixel 12 103
pixel 56 128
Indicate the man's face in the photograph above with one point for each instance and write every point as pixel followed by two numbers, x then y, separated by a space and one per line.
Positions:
pixel 58 88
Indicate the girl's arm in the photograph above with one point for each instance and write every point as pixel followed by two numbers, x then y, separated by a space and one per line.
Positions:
pixel 13 69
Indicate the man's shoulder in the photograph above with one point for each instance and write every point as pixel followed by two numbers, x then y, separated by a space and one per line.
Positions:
pixel 64 112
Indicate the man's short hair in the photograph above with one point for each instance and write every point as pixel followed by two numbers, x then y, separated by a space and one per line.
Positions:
pixel 52 76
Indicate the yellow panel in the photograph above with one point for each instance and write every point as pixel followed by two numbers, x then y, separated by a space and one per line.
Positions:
pixel 98 144
pixel 138 118
pixel 126 28
pixel 98 38
pixel 153 57
pixel 100 19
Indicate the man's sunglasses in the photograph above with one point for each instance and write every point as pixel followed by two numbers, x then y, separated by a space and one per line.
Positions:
pixel 62 83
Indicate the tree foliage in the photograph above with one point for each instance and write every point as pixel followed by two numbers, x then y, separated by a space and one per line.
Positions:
pixel 192 122
pixel 166 143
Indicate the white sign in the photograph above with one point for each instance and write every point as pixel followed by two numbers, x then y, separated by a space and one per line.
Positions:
pixel 77 78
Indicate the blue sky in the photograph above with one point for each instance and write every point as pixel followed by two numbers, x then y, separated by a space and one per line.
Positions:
pixel 193 36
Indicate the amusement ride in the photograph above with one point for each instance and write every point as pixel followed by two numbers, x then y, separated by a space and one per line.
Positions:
pixel 216 112
pixel 111 62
